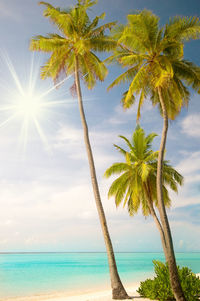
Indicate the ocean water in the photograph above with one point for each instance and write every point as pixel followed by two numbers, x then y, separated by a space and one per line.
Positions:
pixel 25 274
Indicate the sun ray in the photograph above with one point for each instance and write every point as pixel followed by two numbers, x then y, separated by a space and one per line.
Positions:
pixel 27 106
pixel 54 87
pixel 13 73
pixel 24 133
pixel 41 133
pixel 7 108
pixel 8 120
pixel 31 81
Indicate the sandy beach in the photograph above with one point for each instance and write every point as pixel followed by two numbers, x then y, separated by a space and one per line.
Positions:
pixel 100 295
pixel 103 295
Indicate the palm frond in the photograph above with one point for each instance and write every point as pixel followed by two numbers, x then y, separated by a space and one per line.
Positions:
pixel 116 168
pixel 141 100
pixel 47 44
pixel 144 170
pixel 103 43
pixel 127 142
pixel 121 150
pixel 149 139
pixel 141 32
pixel 183 28
pixel 118 188
pixel 57 64
pixel 62 19
pixel 124 77
pixel 188 72
pixel 99 31
pixel 126 105
pixel 92 69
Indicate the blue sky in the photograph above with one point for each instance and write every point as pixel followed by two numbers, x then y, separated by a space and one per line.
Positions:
pixel 46 198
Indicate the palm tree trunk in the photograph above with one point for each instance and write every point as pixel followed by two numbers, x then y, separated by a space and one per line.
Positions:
pixel 156 220
pixel 118 291
pixel 170 256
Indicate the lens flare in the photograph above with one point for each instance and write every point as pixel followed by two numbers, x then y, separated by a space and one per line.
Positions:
pixel 29 106
pixel 25 104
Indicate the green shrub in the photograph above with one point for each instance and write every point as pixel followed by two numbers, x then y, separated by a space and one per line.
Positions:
pixel 159 288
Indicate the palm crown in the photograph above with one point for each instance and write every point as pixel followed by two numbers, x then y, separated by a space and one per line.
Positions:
pixel 79 38
pixel 154 58
pixel 136 185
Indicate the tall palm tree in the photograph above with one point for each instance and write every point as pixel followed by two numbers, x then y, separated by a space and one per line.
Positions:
pixel 136 185
pixel 157 70
pixel 72 52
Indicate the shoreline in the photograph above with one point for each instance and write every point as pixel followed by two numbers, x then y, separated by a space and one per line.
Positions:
pixel 88 295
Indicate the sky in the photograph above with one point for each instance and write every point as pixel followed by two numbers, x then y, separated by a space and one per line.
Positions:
pixel 46 198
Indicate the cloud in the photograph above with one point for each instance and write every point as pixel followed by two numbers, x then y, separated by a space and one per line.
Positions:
pixel 191 125
pixel 40 216
pixel 69 134
pixel 60 218
pixel 40 213
pixel 190 164
pixel 188 194
pixel 185 236
pixel 70 141
pixel 122 116
pixel 189 213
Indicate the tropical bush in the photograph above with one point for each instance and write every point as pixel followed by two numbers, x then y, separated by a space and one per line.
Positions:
pixel 159 288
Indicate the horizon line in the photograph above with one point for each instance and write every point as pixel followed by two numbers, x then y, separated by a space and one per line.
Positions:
pixel 64 252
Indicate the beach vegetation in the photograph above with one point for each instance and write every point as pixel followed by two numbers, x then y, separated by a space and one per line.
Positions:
pixel 72 53
pixel 156 70
pixel 159 288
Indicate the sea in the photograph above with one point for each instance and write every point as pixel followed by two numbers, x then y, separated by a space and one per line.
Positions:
pixel 27 274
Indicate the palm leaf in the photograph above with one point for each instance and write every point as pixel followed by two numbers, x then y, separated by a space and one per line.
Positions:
pixel 47 44
pixel 121 150
pixel 116 168
pixel 61 19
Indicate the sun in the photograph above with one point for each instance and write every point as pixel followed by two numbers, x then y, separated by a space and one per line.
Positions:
pixel 27 105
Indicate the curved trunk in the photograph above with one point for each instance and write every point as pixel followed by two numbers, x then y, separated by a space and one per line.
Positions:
pixel 156 220
pixel 170 256
pixel 118 291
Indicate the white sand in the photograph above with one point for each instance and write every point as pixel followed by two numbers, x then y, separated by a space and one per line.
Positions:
pixel 103 295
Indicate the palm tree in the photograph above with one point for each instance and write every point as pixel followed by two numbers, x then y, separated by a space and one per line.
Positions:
pixel 72 53
pixel 136 185
pixel 157 70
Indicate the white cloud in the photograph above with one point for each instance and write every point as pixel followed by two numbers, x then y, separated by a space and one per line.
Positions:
pixel 70 140
pixel 188 194
pixel 69 134
pixel 191 125
pixel 183 198
pixel 122 116
pixel 190 164
pixel 38 216
pixel 185 240
pixel 61 217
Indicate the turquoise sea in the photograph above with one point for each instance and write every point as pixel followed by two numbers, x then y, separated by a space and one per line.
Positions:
pixel 24 274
